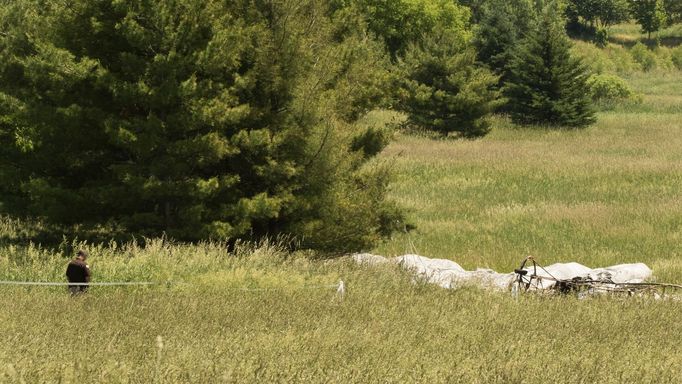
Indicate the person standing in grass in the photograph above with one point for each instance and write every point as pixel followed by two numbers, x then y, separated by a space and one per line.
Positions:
pixel 78 271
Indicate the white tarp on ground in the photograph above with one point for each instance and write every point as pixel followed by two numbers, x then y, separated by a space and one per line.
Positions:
pixel 449 274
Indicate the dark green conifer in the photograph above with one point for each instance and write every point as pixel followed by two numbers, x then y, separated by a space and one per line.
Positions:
pixel 503 23
pixel 547 85
pixel 195 118
pixel 444 91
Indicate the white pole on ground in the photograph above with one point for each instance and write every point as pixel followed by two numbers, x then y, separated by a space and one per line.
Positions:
pixel 341 290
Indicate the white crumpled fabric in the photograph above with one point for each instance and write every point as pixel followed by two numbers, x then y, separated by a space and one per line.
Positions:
pixel 448 274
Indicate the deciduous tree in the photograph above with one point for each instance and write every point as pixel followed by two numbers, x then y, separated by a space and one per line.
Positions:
pixel 400 23
pixel 650 14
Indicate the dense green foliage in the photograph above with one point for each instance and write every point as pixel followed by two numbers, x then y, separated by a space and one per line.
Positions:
pixel 444 91
pixel 503 23
pixel 547 84
pixel 676 57
pixel 673 11
pixel 622 60
pixel 642 55
pixel 200 119
pixel 209 120
pixel 399 23
pixel 608 90
pixel 437 80
pixel 598 13
pixel 650 14
pixel 608 87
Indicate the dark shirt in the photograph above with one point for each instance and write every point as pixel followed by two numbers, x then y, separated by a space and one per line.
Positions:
pixel 78 272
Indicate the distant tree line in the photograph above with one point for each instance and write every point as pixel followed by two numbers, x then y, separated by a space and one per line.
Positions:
pixel 211 119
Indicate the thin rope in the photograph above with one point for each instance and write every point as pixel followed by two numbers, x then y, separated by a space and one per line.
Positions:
pixel 335 286
pixel 142 283
pixel 414 249
pixel 53 284
pixel 546 271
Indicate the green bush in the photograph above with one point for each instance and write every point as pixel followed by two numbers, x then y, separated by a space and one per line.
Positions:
pixel 676 56
pixel 621 59
pixel 615 58
pixel 601 38
pixel 642 55
pixel 400 23
pixel 592 56
pixel 607 90
pixel 608 87
pixel 443 90
pixel 547 83
pixel 612 58
pixel 664 59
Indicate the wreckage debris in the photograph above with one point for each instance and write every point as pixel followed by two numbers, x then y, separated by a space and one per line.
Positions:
pixel 630 279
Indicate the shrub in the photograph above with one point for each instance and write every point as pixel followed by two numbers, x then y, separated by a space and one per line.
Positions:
pixel 612 58
pixel 664 59
pixel 676 56
pixel 622 61
pixel 593 57
pixel 400 23
pixel 642 55
pixel 608 89
pixel 601 37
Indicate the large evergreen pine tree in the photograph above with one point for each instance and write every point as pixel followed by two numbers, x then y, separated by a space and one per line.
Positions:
pixel 547 84
pixel 194 118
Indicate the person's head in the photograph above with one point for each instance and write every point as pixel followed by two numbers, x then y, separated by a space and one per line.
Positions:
pixel 81 254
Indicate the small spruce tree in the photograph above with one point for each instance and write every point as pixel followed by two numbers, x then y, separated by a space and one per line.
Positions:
pixel 547 84
pixel 444 91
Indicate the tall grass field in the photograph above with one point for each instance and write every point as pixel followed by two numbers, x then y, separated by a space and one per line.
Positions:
pixel 608 194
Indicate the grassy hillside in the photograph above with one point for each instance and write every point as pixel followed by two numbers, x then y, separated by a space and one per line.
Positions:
pixel 629 34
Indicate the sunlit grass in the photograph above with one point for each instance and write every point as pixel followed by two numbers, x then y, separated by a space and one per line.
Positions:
pixel 604 195
pixel 629 33
pixel 385 330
